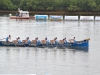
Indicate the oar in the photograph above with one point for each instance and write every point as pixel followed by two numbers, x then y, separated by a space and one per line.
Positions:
pixel 51 42
pixel 42 45
pixel 14 44
pixel 33 43
pixel 29 44
pixel 23 44
pixel 56 43
pixel 63 46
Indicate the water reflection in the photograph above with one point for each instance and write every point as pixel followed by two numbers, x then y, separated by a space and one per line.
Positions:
pixel 41 20
pixel 80 49
pixel 44 59
pixel 37 51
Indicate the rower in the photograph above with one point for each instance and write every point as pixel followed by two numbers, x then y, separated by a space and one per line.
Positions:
pixel 24 41
pixel 65 41
pixel 19 41
pixel 56 41
pixel 61 41
pixel 72 40
pixel 15 41
pixel 34 41
pixel 28 40
pixel 37 41
pixel 47 41
pixel 8 38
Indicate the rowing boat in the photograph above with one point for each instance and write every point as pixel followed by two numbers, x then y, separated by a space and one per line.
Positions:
pixel 77 44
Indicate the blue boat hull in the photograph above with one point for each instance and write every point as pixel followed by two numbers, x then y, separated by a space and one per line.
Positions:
pixel 78 44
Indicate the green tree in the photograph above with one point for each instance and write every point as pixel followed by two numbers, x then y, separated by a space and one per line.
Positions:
pixel 51 5
pixel 6 5
pixel 92 5
pixel 73 6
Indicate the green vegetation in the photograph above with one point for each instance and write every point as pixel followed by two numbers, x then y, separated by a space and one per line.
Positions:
pixel 51 5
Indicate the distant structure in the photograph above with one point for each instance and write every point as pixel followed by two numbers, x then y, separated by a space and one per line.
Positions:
pixel 20 15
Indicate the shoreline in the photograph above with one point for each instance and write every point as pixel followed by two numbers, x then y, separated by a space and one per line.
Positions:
pixel 57 13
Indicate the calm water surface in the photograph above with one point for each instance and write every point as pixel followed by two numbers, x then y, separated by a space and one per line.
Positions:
pixel 46 61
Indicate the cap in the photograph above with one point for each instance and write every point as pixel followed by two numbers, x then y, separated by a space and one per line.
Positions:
pixel 27 37
pixel 36 37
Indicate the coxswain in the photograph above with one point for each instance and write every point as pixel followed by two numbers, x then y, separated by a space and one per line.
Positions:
pixel 8 38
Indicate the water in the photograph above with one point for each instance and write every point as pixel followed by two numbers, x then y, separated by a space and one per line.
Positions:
pixel 46 61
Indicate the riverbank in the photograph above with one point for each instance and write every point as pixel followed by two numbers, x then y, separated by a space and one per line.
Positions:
pixel 58 13
pixel 67 13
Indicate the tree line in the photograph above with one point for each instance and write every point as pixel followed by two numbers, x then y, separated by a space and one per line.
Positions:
pixel 51 5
